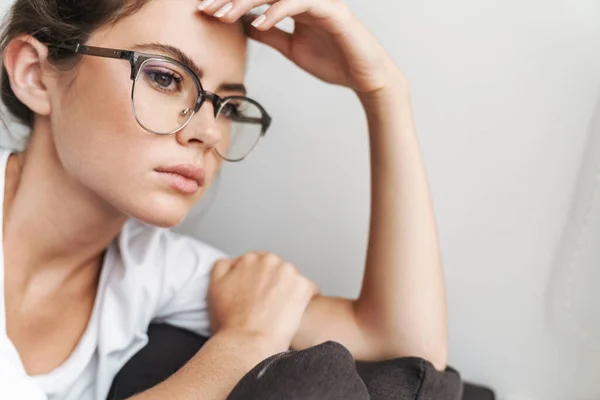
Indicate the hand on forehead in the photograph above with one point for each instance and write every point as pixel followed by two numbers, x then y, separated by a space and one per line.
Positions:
pixel 218 49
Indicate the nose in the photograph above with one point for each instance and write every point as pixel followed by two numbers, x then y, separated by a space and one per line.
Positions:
pixel 202 129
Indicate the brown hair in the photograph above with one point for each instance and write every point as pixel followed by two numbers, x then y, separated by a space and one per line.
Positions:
pixel 55 21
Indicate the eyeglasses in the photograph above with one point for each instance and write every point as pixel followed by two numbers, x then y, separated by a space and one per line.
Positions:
pixel 166 94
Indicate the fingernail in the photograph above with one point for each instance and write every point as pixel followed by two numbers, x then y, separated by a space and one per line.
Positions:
pixel 224 10
pixel 258 21
pixel 204 4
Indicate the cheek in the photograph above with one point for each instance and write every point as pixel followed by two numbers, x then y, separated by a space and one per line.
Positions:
pixel 94 129
pixel 99 102
pixel 100 144
pixel 212 166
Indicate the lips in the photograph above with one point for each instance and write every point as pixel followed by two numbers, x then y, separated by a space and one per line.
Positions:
pixel 186 178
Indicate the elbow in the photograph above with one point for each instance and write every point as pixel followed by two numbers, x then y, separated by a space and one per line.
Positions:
pixel 430 349
pixel 439 357
pixel 390 339
pixel 434 353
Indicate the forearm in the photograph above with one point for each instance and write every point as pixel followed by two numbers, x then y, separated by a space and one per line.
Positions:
pixel 214 371
pixel 402 298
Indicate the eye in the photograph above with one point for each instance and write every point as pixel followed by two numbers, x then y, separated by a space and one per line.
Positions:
pixel 230 110
pixel 164 79
pixel 161 79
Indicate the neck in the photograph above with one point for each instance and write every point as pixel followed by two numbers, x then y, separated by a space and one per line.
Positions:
pixel 52 221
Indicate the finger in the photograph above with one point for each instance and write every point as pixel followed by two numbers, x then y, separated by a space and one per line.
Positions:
pixel 290 8
pixel 276 38
pixel 230 10
pixel 244 7
pixel 210 7
pixel 221 268
pixel 279 11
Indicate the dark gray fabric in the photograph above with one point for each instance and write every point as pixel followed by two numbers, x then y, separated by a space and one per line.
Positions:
pixel 324 372
pixel 476 392
pixel 168 349
pixel 328 372
pixel 409 378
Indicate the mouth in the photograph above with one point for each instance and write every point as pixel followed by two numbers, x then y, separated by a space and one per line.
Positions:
pixel 185 178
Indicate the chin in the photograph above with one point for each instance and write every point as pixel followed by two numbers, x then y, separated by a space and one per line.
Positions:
pixel 161 211
pixel 164 221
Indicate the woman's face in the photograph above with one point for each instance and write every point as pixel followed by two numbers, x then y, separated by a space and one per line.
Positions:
pixel 97 138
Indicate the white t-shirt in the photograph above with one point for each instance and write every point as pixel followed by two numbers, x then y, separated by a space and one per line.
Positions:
pixel 149 274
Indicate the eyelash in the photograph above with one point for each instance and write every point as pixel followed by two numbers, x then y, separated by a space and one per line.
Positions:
pixel 157 71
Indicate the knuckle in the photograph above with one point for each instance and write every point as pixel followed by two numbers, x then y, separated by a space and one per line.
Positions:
pixel 275 7
pixel 219 266
pixel 309 285
pixel 290 269
pixel 258 253
pixel 304 282
pixel 271 258
pixel 303 289
pixel 261 259
pixel 249 258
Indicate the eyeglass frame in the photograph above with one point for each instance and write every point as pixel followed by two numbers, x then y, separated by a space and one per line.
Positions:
pixel 138 59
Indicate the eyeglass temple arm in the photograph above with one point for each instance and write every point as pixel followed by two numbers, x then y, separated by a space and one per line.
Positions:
pixel 130 56
pixel 95 51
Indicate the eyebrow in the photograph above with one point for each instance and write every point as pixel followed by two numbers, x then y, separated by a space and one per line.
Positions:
pixel 184 59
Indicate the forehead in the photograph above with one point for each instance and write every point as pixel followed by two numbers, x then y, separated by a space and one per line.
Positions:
pixel 218 48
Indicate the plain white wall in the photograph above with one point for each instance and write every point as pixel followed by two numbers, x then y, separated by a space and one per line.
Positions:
pixel 504 94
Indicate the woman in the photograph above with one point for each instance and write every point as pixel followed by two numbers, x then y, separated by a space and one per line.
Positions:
pixel 132 107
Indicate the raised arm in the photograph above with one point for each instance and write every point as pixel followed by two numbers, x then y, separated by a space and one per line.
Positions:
pixel 401 309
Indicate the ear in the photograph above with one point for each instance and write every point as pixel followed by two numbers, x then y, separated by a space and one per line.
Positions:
pixel 25 59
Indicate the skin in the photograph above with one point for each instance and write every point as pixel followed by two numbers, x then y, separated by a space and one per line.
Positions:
pixel 87 173
pixel 94 176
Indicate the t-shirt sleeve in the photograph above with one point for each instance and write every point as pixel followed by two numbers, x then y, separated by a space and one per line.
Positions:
pixel 184 283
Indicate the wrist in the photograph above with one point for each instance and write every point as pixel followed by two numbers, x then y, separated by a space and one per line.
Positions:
pixel 394 95
pixel 396 88
pixel 263 343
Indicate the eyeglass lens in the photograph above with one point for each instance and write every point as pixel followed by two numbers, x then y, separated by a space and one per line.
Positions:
pixel 164 97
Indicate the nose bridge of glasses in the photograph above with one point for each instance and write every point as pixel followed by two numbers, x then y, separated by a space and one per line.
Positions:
pixel 211 97
pixel 207 119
